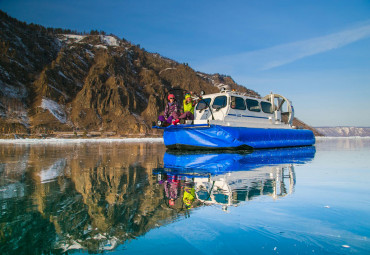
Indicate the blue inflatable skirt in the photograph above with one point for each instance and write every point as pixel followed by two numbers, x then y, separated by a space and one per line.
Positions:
pixel 194 137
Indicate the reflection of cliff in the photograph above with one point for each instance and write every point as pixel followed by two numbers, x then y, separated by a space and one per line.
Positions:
pixel 81 196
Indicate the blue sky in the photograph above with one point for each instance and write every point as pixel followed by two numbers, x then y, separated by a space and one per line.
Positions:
pixel 315 52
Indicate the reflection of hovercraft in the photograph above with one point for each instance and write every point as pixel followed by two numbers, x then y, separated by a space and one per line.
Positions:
pixel 229 178
pixel 216 163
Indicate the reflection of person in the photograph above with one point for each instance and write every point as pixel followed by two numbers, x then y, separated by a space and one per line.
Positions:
pixel 189 195
pixel 171 189
pixel 171 112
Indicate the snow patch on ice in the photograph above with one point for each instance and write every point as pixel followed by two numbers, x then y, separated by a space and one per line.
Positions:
pixel 55 109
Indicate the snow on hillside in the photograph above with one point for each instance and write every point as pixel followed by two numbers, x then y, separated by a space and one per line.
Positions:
pixel 72 38
pixel 55 109
pixel 105 39
pixel 344 131
pixel 109 40
pixel 99 46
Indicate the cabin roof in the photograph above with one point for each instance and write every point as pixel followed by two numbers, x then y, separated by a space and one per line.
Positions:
pixel 233 93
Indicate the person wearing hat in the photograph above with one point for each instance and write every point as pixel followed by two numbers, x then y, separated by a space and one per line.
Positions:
pixel 188 106
pixel 171 112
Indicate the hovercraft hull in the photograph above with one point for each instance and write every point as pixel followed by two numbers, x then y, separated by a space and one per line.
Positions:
pixel 197 137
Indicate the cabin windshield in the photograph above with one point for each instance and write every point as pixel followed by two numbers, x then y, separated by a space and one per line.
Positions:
pixel 203 104
pixel 253 105
pixel 219 102
pixel 237 103
pixel 266 107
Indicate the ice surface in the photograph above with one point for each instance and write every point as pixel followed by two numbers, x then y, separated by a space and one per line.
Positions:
pixel 69 141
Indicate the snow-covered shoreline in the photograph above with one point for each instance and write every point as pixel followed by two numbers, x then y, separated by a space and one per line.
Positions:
pixel 341 137
pixel 88 140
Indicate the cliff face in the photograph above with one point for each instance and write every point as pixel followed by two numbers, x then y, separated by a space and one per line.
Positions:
pixel 24 52
pixel 62 82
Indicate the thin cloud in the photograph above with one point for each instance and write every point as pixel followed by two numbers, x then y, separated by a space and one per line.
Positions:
pixel 291 52
pixel 280 55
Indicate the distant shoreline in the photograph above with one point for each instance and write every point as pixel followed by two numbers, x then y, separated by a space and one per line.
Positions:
pixel 342 137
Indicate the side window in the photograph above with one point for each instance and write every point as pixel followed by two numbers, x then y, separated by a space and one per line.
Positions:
pixel 219 102
pixel 266 107
pixel 237 103
pixel 203 104
pixel 253 105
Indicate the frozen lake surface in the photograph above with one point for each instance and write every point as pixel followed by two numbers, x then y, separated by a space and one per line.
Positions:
pixel 133 197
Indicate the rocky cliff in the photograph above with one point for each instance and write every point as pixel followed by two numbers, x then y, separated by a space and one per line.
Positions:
pixel 52 81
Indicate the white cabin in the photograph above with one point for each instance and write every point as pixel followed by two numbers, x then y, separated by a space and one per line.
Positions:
pixel 230 108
